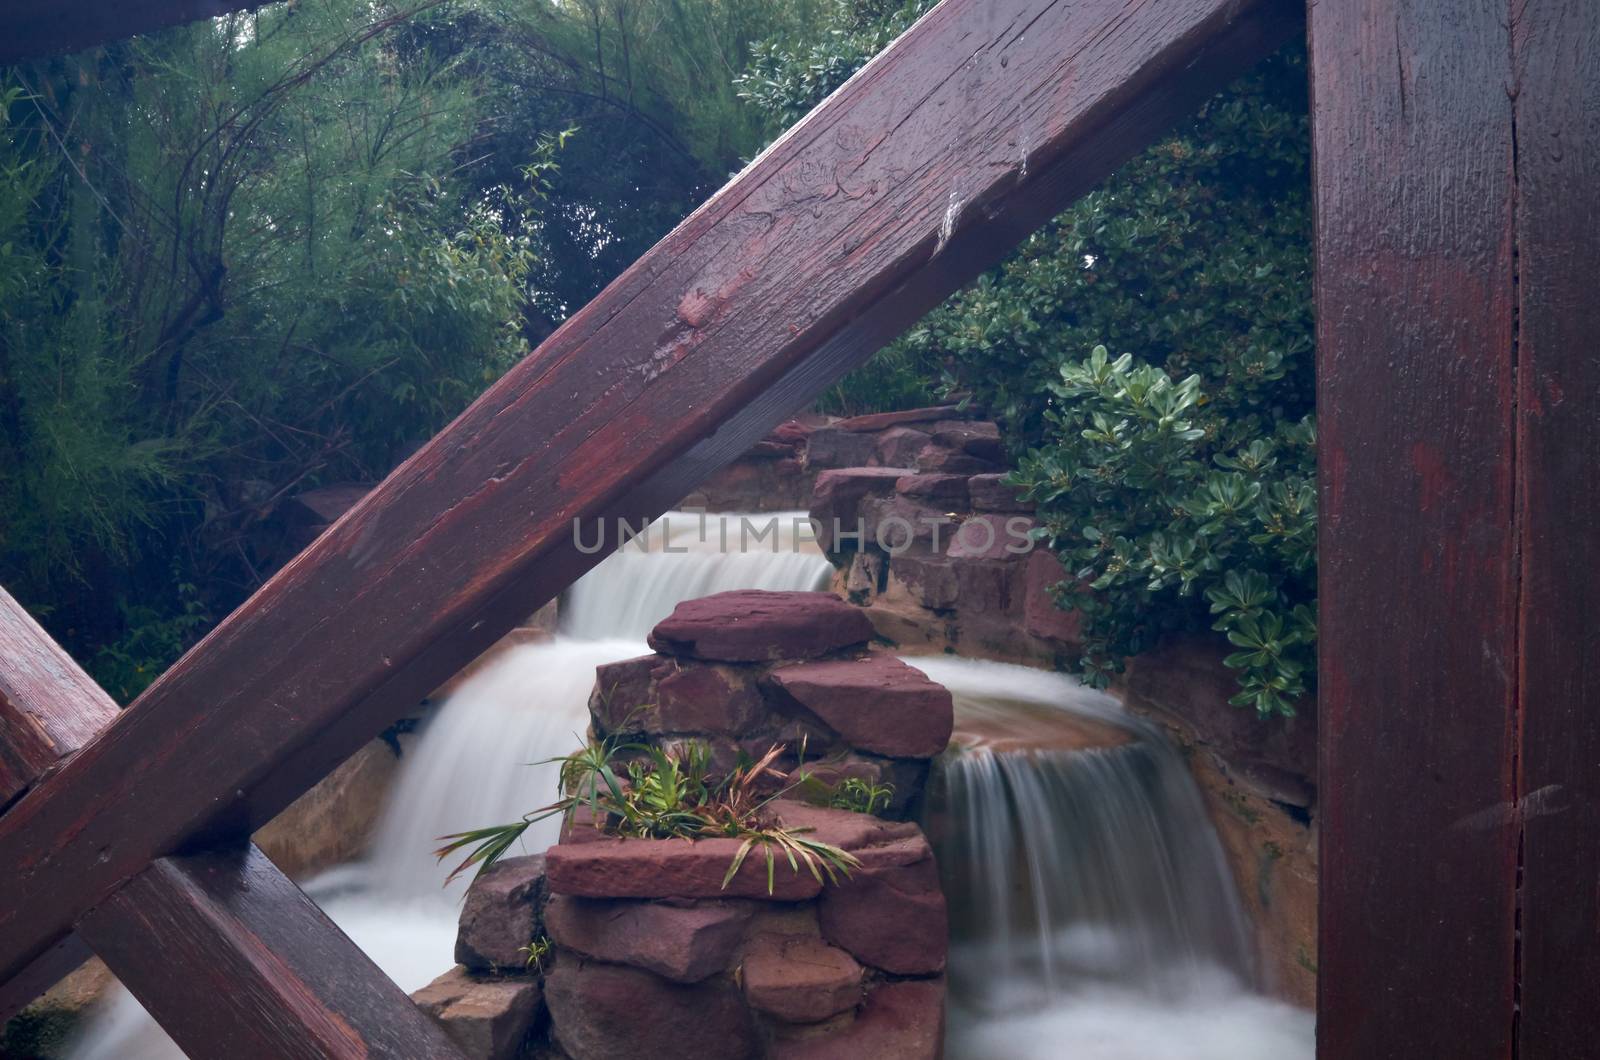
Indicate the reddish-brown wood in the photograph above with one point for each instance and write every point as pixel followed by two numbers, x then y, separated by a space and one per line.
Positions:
pixel 1557 54
pixel 32 28
pixel 48 706
pixel 235 961
pixel 187 930
pixel 1414 190
pixel 966 134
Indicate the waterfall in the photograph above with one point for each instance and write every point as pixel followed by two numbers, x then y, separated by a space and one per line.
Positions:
pixel 477 759
pixel 1092 910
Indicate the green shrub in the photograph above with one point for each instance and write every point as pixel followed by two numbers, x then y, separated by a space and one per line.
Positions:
pixel 1148 355
pixel 1176 478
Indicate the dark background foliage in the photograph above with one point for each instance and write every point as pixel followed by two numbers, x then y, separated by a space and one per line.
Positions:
pixel 273 251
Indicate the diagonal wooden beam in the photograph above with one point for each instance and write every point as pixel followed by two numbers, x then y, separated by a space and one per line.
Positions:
pixel 232 959
pixel 222 948
pixel 970 131
pixel 33 28
pixel 48 706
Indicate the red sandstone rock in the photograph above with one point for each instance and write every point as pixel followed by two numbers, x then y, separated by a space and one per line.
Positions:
pixel 929 580
pixel 941 491
pixel 877 704
pixel 623 692
pixel 579 827
pixel 1040 615
pixel 1184 681
pixel 832 447
pixel 501 915
pixel 980 438
pixel 792 432
pixel 671 868
pixel 891 913
pixel 900 1021
pixel 609 1011
pixel 836 500
pixel 878 421
pixel 768 450
pixel 843 828
pixel 486 1018
pixel 899 446
pixel 754 626
pixel 800 979
pixel 684 941
pixel 896 523
pixel 906 777
pixel 991 536
pixel 990 494
pixel 707 699
pixel 938 458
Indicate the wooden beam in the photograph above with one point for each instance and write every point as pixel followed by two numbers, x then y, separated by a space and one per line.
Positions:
pixel 30 29
pixel 48 706
pixel 970 131
pixel 193 937
pixel 232 959
pixel 1556 48
pixel 1414 184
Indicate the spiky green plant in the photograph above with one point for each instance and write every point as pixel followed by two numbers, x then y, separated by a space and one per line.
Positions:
pixel 668 794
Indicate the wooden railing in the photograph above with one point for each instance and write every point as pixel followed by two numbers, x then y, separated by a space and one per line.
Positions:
pixel 1457 175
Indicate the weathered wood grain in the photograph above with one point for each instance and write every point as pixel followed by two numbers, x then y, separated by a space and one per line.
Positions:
pixel 48 706
pixel 234 960
pixel 972 129
pixel 1412 142
pixel 1557 54
pixel 33 28
pixel 188 930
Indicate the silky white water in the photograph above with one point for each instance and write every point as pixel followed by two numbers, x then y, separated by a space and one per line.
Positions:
pixel 1105 929
pixel 1092 911
pixel 478 760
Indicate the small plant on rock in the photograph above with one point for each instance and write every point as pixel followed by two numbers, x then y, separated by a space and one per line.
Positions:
pixel 861 796
pixel 667 794
pixel 537 950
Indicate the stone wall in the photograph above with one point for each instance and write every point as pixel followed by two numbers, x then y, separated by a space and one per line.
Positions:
pixel 931 552
pixel 653 949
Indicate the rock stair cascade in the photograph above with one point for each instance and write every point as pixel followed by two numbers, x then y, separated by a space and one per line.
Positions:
pixel 928 538
pixel 642 947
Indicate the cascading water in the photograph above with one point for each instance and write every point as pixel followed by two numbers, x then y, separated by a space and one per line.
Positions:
pixel 1092 917
pixel 475 762
pixel 1092 911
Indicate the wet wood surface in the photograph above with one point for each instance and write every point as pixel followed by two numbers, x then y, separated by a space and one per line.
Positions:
pixel 973 129
pixel 1556 50
pixel 48 706
pixel 235 961
pixel 1415 197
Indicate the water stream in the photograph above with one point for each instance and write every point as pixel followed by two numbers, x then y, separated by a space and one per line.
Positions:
pixel 1093 915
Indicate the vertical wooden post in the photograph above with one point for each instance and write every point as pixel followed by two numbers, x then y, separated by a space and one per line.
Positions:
pixel 1415 194
pixel 1556 48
